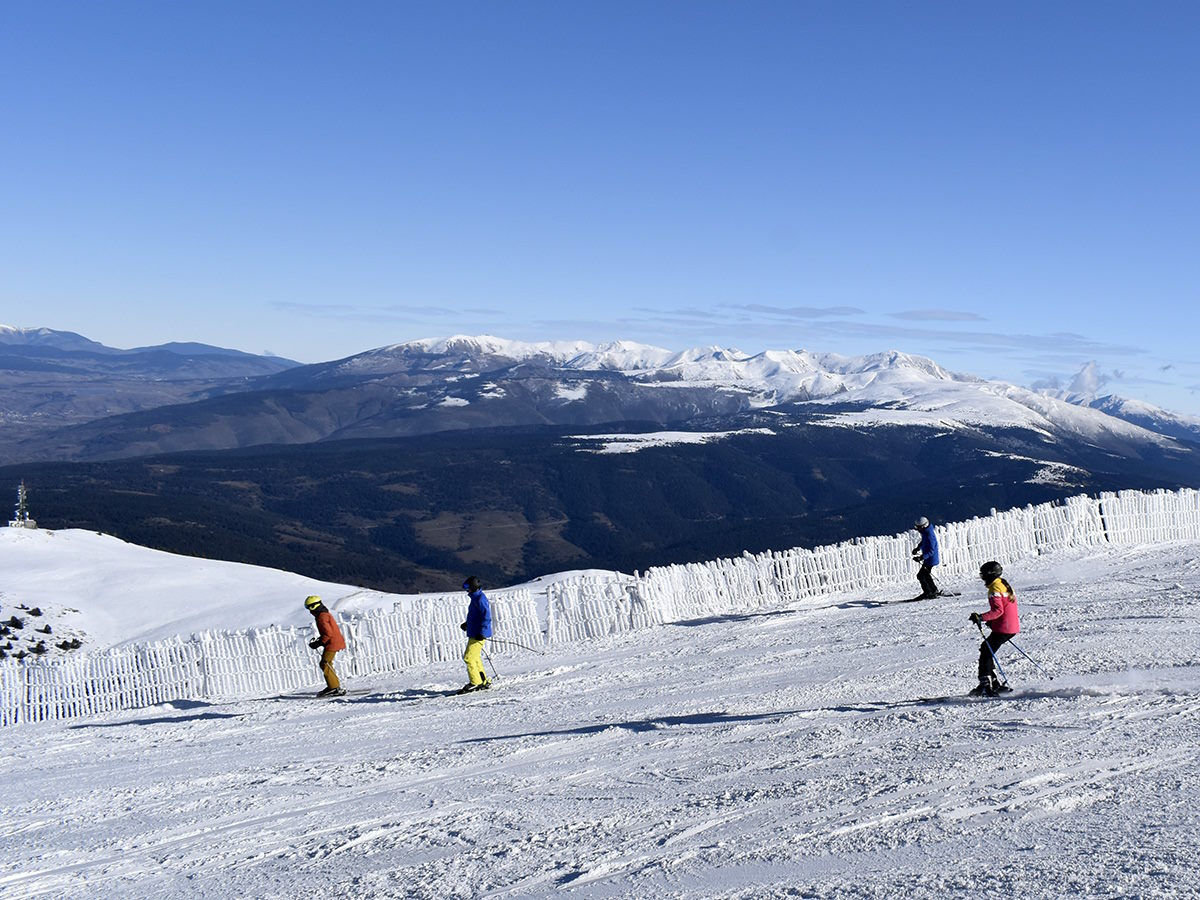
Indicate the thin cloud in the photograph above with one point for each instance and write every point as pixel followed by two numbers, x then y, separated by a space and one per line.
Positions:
pixel 1059 343
pixel 1089 379
pixel 774 329
pixel 683 314
pixel 313 309
pixel 798 312
pixel 1119 377
pixel 1040 381
pixel 938 315
pixel 1038 363
pixel 395 312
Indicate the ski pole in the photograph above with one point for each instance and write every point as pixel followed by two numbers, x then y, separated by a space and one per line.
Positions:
pixel 491 664
pixel 496 640
pixel 993 652
pixel 1031 659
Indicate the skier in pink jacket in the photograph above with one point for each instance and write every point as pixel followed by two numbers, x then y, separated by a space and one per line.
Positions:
pixel 1002 619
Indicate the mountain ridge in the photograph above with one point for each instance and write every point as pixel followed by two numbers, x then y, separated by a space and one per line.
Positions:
pixel 51 381
pixel 466 382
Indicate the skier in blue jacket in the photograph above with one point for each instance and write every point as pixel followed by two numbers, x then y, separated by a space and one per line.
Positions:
pixel 926 553
pixel 478 627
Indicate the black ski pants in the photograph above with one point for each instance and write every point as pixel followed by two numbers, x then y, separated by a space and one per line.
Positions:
pixel 987 652
pixel 928 588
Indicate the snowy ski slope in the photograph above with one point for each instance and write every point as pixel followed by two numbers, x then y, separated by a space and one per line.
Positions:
pixel 784 753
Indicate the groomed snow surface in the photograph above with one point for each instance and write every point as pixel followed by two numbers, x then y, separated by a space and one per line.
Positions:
pixel 777 754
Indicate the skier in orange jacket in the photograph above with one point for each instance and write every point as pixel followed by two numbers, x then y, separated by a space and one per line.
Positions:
pixel 330 641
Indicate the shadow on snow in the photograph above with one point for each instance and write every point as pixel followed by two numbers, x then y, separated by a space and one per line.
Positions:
pixel 653 723
pixel 160 720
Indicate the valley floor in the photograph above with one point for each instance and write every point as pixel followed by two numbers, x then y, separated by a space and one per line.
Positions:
pixel 779 754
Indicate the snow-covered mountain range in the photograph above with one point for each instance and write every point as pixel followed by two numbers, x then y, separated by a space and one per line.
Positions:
pixel 889 388
pixel 234 400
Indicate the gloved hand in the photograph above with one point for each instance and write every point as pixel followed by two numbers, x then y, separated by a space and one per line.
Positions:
pixel 315 643
pixel 463 626
pixel 976 619
pixel 917 555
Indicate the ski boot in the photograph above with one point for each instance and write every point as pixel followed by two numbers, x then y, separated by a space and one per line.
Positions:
pixel 471 688
pixel 987 687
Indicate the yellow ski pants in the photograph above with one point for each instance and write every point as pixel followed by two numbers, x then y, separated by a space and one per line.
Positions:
pixel 472 656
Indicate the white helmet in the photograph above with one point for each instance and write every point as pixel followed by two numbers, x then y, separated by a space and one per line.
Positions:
pixel 921 523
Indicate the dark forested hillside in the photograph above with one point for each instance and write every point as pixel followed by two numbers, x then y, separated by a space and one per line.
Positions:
pixel 416 513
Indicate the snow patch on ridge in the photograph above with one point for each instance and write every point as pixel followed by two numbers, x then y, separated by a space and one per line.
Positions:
pixel 632 443
pixel 1049 472
pixel 492 391
pixel 571 391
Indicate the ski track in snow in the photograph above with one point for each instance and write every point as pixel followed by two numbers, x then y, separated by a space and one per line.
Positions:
pixel 770 754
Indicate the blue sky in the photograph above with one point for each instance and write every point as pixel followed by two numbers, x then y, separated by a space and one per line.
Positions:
pixel 1012 189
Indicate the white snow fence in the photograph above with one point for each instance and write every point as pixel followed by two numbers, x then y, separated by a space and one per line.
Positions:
pixel 217 666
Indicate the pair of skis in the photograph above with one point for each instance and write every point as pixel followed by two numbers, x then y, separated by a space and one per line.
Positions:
pixel 1002 686
pixel 353 693
pixel 934 597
